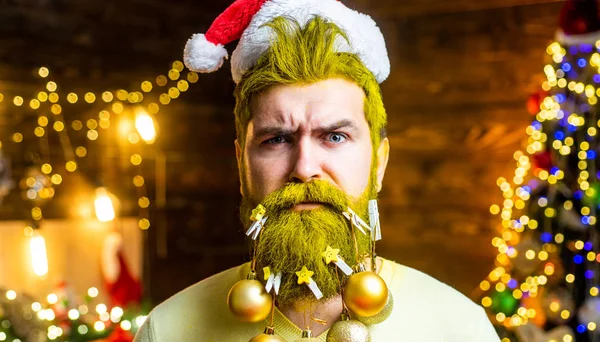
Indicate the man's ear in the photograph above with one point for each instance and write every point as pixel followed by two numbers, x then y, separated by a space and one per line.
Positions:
pixel 383 155
pixel 238 156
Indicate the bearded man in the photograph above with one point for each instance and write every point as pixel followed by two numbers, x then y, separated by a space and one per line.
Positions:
pixel 312 152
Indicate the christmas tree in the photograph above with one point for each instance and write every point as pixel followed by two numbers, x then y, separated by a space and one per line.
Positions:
pixel 546 281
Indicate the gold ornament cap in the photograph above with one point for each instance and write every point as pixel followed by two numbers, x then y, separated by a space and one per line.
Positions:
pixel 267 336
pixel 307 336
pixel 307 333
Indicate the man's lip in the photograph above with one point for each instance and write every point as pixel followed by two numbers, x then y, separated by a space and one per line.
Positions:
pixel 306 206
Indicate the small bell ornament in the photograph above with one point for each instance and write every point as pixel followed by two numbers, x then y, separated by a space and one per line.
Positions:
pixel 381 316
pixel 307 337
pixel 348 330
pixel 365 294
pixel 267 336
pixel 249 301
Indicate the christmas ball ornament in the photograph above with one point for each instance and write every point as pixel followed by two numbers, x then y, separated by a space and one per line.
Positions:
pixel 554 270
pixel 557 300
pixel 348 330
pixel 535 303
pixel 36 186
pixel 504 302
pixel 526 260
pixel 571 220
pixel 590 311
pixel 543 160
pixel 365 294
pixel 534 104
pixel 6 182
pixel 592 195
pixel 249 301
pixel 382 315
pixel 267 336
pixel 531 332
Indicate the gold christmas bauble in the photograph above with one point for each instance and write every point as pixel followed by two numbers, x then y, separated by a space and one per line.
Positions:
pixel 348 331
pixel 266 338
pixel 382 315
pixel 249 301
pixel 365 294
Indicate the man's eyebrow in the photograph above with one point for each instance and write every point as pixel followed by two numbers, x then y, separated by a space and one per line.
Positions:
pixel 349 124
pixel 271 130
pixel 277 130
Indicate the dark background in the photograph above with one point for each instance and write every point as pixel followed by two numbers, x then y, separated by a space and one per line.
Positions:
pixel 462 71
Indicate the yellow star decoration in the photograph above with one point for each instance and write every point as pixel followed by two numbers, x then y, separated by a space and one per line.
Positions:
pixel 267 272
pixel 304 275
pixel 331 254
pixel 258 213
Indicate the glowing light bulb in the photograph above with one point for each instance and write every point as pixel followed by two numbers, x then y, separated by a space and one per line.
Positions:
pixel 145 126
pixel 105 212
pixel 39 258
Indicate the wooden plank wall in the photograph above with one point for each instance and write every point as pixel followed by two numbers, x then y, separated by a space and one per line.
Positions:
pixel 461 73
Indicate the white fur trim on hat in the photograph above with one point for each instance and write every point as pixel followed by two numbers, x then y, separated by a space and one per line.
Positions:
pixel 587 38
pixel 366 40
pixel 200 55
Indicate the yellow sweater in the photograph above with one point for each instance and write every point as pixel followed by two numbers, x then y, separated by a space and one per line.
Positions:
pixel 424 310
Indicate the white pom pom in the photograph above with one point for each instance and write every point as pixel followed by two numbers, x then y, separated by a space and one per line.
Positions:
pixel 200 55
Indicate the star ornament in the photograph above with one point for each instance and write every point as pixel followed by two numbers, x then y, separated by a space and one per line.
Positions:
pixel 266 272
pixel 331 255
pixel 304 275
pixel 258 213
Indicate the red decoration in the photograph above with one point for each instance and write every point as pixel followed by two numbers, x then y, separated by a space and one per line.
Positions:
pixel 119 335
pixel 579 17
pixel 120 284
pixel 535 303
pixel 535 101
pixel 543 160
pixel 126 289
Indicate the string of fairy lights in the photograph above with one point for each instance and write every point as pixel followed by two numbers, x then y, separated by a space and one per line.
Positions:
pixel 90 317
pixel 517 192
pixel 50 106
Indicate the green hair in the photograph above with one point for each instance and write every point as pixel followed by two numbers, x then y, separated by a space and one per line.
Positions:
pixel 304 56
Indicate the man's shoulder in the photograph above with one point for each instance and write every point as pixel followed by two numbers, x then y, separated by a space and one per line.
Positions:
pixel 199 310
pixel 418 287
pixel 201 293
pixel 425 302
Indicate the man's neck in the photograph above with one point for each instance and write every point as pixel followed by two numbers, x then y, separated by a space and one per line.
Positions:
pixel 319 316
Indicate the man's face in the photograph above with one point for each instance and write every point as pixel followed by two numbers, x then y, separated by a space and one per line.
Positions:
pixel 301 133
pixel 307 158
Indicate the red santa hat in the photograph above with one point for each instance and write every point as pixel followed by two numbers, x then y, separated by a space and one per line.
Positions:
pixel 245 19
pixel 579 23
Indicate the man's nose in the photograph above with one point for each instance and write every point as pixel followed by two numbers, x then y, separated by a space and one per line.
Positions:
pixel 307 163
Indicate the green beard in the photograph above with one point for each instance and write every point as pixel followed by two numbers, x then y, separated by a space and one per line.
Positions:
pixel 291 240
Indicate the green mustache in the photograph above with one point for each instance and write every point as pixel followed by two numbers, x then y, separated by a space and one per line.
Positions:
pixel 291 194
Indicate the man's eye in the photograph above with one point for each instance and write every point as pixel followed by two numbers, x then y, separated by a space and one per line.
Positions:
pixel 274 140
pixel 336 138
